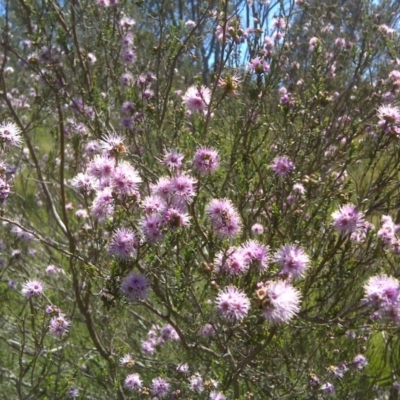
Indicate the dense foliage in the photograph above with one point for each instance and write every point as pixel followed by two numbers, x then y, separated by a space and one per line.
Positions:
pixel 199 200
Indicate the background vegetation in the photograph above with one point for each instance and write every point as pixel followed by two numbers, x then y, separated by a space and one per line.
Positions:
pixel 305 80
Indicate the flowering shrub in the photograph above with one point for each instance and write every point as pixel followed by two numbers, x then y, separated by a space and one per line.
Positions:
pixel 199 201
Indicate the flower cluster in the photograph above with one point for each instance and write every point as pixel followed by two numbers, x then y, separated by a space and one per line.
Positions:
pixel 358 363
pixel 158 336
pixel 128 53
pixel 126 212
pixel 166 207
pixel 111 180
pixel 115 183
pixel 232 29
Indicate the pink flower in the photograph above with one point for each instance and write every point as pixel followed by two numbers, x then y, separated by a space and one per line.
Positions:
pixel 127 40
pixel 298 189
pixel 123 243
pixel 293 260
pixel 280 301
pixel 152 227
pixel 196 383
pixel 32 288
pixel 184 187
pixel 381 289
pixel 128 107
pixel 92 148
pixel 359 362
pixel 163 188
pixel 259 66
pixel 5 189
pixel 91 58
pixel 279 23
pixel 257 229
pixel 113 144
pixel 256 254
pixel 190 24
pixel 347 219
pixel 340 43
pixel 206 160
pixel 222 34
pixel 84 182
pixel 135 286
pixel 172 159
pixel 282 165
pixel 125 180
pixel 388 231
pixel 126 22
pixel 197 98
pixel 154 204
pixel 175 218
pixel 183 369
pixel 313 43
pixel 10 134
pixel 128 55
pixel 232 304
pixel 388 114
pixel 328 389
pixel 133 382
pixel 389 118
pixel 148 94
pixel 167 332
pixel 268 45
pixel 225 219
pixel 103 205
pixel 148 347
pixel 207 330
pixel 214 395
pixel 101 167
pixel 59 325
pixel 126 80
pixel 387 31
pixel 234 262
pixel 159 387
